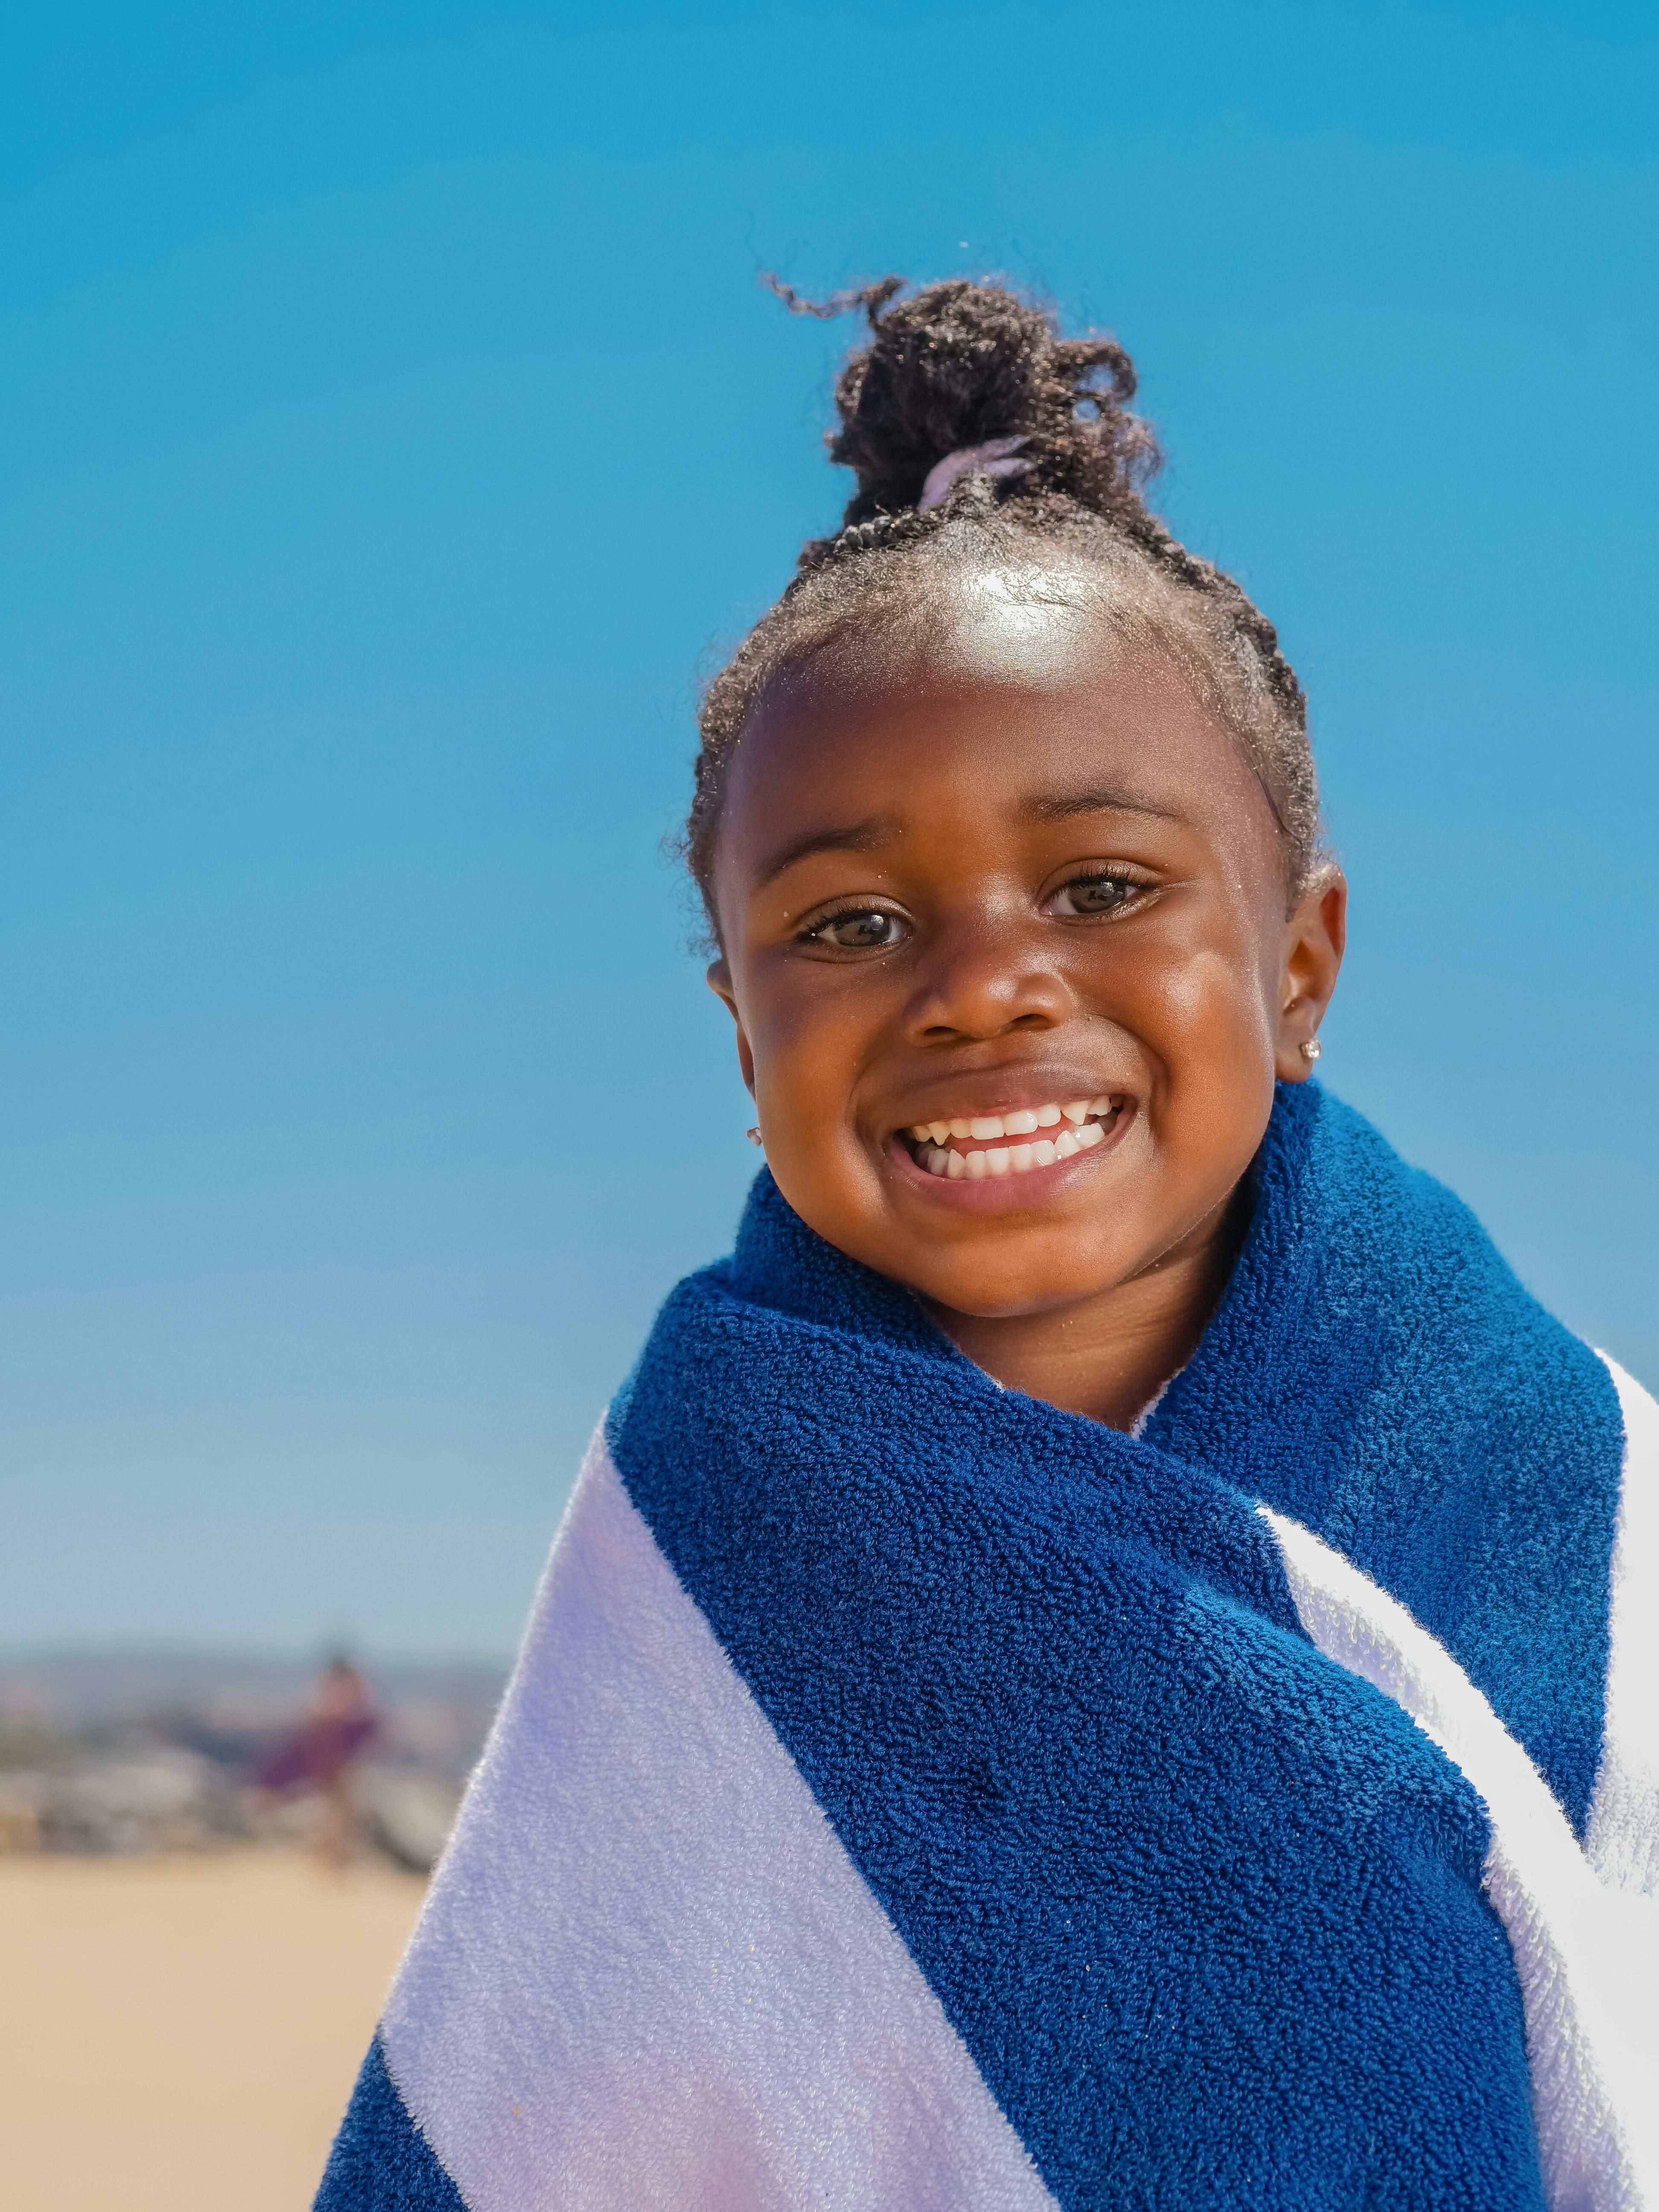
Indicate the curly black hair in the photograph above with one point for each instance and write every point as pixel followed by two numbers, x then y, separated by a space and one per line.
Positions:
pixel 957 365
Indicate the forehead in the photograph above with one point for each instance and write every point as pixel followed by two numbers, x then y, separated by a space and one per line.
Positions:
pixel 975 703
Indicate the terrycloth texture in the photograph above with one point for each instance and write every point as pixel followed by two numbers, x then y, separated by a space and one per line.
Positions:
pixel 1587 1956
pixel 1623 1842
pixel 381 2157
pixel 1164 1848
pixel 650 1974
pixel 1376 1373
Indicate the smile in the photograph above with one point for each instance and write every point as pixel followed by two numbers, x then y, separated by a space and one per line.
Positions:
pixel 944 1147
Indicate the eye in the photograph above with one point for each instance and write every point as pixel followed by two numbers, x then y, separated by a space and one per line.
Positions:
pixel 1099 890
pixel 859 929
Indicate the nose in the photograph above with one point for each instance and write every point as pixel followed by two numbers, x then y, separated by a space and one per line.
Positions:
pixel 981 978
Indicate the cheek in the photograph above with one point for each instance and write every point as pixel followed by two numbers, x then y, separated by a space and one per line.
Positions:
pixel 1192 991
pixel 809 1049
pixel 1202 1015
pixel 1213 1008
pixel 809 1040
pixel 1219 1077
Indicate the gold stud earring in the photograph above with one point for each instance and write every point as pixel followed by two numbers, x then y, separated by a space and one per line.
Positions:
pixel 754 1135
pixel 1311 1049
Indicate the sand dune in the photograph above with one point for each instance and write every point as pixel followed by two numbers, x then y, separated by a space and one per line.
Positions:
pixel 180 2034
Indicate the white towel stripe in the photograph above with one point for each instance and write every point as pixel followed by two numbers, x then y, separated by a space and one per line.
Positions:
pixel 1623 1838
pixel 648 1974
pixel 1586 1956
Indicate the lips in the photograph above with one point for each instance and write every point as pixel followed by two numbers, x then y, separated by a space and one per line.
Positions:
pixel 969 1147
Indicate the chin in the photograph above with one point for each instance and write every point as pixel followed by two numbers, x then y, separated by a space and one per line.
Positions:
pixel 1009 1286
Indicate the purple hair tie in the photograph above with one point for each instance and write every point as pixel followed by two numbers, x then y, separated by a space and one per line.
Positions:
pixel 990 459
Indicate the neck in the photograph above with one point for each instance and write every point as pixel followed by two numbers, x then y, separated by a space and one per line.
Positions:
pixel 1109 1355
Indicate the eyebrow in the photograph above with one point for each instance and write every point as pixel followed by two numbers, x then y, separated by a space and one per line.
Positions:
pixel 876 829
pixel 1060 806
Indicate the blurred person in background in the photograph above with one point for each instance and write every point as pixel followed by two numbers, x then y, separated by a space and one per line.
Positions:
pixel 340 1723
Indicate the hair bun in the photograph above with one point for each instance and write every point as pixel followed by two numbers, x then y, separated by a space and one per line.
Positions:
pixel 959 364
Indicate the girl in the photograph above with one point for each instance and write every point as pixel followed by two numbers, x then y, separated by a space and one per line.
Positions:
pixel 1105 1657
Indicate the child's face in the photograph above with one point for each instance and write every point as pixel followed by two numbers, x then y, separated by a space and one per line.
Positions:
pixel 1002 867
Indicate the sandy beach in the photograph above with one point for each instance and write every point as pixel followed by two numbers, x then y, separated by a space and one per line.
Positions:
pixel 180 2034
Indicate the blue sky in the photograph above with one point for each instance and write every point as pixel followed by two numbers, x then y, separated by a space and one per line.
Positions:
pixel 395 432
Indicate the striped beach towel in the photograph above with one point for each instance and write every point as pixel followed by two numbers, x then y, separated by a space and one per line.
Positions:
pixel 911 1795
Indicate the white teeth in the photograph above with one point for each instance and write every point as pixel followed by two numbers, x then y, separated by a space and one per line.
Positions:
pixel 1019 1160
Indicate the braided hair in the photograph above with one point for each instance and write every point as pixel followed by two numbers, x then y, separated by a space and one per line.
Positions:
pixel 958 365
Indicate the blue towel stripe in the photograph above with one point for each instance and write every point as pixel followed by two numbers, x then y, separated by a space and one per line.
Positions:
pixel 1376 1372
pixel 381 2161
pixel 1207 1911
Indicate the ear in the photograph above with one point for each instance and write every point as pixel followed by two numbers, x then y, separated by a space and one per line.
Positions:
pixel 1315 936
pixel 720 983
